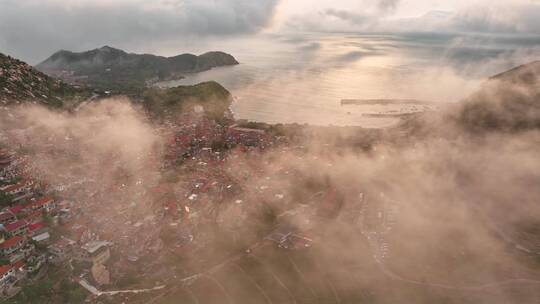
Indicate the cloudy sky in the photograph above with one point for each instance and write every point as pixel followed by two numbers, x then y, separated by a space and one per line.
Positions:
pixel 33 29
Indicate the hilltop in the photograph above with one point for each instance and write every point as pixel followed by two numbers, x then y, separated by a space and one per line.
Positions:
pixel 506 102
pixel 113 69
pixel 528 74
pixel 214 99
pixel 509 101
pixel 19 82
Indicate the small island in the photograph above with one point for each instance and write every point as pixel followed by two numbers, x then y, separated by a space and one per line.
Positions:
pixel 115 70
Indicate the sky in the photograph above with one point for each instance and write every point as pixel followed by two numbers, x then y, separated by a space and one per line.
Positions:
pixel 33 29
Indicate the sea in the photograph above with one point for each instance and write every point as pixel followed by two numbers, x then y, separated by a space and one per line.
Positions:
pixel 304 77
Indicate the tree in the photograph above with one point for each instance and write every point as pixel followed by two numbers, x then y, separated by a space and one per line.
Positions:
pixel 5 199
pixel 71 292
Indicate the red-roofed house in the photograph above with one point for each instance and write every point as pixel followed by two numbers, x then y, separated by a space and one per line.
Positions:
pixel 171 209
pixel 18 265
pixel 11 245
pixel 13 189
pixel 5 272
pixel 37 228
pixel 34 216
pixel 16 209
pixel 44 203
pixel 16 189
pixel 16 228
pixel 6 217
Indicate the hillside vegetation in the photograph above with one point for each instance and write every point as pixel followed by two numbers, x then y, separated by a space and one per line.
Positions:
pixel 19 82
pixel 112 69
pixel 507 102
pixel 168 103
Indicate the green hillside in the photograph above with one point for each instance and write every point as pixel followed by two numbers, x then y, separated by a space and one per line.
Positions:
pixel 115 70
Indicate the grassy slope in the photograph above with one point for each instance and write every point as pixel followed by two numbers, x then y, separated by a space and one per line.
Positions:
pixel 115 70
pixel 166 103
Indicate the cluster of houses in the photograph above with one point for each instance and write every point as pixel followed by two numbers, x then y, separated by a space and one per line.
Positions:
pixel 289 237
pixel 225 167
pixel 378 218
pixel 26 243
pixel 197 136
pixel 22 221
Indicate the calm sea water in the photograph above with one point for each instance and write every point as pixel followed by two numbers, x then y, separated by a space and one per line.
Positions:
pixel 303 77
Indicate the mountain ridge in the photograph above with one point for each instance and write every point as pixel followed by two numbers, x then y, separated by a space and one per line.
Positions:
pixel 528 74
pixel 20 83
pixel 113 69
pixel 508 102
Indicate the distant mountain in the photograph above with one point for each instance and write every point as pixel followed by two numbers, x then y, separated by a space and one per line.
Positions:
pixel 527 74
pixel 507 102
pixel 112 69
pixel 19 82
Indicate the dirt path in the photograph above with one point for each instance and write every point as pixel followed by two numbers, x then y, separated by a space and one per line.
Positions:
pixel 93 290
pixel 221 287
pixel 278 280
pixel 252 280
pixel 394 276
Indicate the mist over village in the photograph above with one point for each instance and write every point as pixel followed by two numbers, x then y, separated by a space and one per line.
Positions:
pixel 269 151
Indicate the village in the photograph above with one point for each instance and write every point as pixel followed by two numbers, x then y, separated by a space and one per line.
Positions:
pixel 160 226
pixel 25 217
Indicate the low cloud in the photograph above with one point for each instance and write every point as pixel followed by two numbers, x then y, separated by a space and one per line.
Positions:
pixel 387 6
pixel 507 18
pixel 332 19
pixel 500 19
pixel 447 209
pixel 354 18
pixel 103 142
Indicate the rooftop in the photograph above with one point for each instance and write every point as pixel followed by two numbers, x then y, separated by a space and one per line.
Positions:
pixel 39 202
pixel 4 269
pixel 16 209
pixel 18 264
pixel 41 237
pixel 5 215
pixel 43 200
pixel 11 242
pixel 15 225
pixel 14 187
pixel 36 226
pixel 94 246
